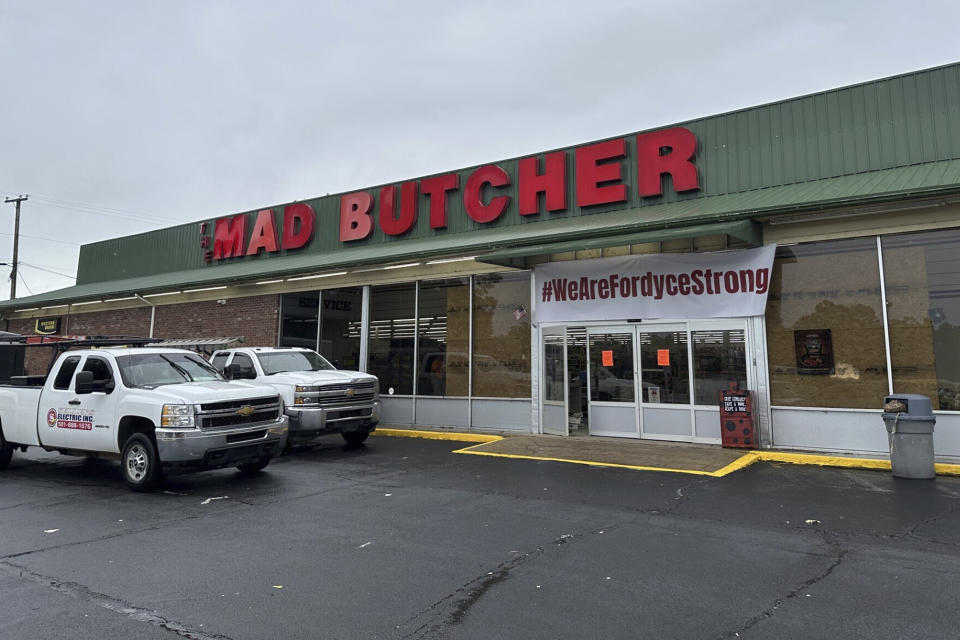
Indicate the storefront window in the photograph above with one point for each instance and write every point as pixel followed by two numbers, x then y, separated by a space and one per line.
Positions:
pixel 444 328
pixel 825 335
pixel 719 362
pixel 665 372
pixel 501 335
pixel 611 367
pixel 922 279
pixel 392 327
pixel 299 325
pixel 340 318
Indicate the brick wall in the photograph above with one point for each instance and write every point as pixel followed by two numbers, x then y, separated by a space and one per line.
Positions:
pixel 36 359
pixel 255 318
pixel 119 322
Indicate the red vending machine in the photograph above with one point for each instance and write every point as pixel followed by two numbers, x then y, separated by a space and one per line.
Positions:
pixel 736 419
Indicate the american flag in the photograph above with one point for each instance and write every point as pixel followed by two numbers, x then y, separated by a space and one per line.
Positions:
pixel 519 312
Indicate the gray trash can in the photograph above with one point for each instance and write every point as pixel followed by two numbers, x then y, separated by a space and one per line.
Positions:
pixel 909 420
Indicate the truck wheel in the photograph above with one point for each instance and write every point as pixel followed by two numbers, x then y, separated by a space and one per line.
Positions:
pixel 139 463
pixel 254 467
pixel 355 438
pixel 6 452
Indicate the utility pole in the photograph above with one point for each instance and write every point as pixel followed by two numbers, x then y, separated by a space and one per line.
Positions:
pixel 16 245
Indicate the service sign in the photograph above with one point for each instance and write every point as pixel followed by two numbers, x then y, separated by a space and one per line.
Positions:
pixel 728 284
pixel 46 326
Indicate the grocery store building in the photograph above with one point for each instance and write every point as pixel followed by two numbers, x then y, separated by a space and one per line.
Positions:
pixel 806 250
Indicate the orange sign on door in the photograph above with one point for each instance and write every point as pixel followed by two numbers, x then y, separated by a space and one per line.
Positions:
pixel 663 357
pixel 607 358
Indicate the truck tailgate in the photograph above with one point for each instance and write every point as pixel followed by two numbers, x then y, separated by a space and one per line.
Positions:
pixel 18 413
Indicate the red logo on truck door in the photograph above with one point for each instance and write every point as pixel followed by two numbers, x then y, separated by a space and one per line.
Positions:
pixel 79 419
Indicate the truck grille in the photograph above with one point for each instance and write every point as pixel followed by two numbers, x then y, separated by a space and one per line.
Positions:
pixel 237 413
pixel 343 394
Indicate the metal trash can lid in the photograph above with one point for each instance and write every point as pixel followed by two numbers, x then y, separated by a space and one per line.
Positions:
pixel 917 406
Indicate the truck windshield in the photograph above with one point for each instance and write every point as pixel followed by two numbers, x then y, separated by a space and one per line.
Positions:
pixel 281 361
pixel 155 369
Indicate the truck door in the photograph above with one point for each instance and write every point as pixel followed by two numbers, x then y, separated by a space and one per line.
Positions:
pixel 83 421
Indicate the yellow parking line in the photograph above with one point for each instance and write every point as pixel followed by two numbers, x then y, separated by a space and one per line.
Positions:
pixel 591 463
pixel 744 461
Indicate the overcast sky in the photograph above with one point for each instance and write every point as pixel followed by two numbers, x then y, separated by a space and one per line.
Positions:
pixel 120 117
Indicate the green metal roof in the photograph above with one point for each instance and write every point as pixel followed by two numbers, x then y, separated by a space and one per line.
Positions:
pixel 912 120
pixel 923 180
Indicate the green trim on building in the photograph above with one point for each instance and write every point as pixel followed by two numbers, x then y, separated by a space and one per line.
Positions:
pixel 684 219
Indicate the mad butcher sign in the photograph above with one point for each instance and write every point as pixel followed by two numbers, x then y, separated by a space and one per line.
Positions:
pixel 726 284
pixel 597 171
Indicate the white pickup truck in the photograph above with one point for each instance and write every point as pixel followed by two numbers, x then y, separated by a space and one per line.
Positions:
pixel 320 399
pixel 162 411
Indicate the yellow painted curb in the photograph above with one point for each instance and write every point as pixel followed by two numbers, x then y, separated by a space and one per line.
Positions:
pixel 744 461
pixel 438 435
pixel 942 469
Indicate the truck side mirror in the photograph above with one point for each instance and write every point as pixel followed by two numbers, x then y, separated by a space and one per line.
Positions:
pixel 232 372
pixel 84 383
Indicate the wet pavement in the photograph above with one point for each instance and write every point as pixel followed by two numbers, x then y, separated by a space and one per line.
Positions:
pixel 403 539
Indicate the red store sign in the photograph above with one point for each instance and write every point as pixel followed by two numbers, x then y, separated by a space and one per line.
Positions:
pixel 598 172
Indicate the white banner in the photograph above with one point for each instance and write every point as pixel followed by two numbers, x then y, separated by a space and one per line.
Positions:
pixel 726 284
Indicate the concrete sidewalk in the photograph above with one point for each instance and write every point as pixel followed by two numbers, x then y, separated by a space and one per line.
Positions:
pixel 640 455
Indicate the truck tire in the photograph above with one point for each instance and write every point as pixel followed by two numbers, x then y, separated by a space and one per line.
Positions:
pixel 6 452
pixel 355 438
pixel 139 463
pixel 250 468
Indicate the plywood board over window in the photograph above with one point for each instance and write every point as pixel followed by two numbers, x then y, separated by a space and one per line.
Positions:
pixel 922 279
pixel 501 335
pixel 831 286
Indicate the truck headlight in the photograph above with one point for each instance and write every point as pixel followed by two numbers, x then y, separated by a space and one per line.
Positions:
pixel 305 394
pixel 177 415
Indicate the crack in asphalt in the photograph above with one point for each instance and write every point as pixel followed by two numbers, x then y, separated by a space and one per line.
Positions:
pixel 910 531
pixel 838 553
pixel 452 609
pixel 110 603
pixel 108 536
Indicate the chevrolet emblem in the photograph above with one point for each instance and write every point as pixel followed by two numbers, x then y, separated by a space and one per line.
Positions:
pixel 245 410
pixel 350 393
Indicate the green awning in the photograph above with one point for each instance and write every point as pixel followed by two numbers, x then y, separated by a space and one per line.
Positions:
pixel 749 231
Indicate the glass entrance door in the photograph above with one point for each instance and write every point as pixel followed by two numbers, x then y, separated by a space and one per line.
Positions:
pixel 685 365
pixel 613 381
pixel 656 380
pixel 553 387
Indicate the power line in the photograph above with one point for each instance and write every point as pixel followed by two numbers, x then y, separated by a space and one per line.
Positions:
pixel 30 291
pixel 27 235
pixel 34 266
pixel 99 209
pixel 94 207
pixel 139 218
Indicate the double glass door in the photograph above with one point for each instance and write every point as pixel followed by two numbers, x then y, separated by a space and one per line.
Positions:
pixel 653 380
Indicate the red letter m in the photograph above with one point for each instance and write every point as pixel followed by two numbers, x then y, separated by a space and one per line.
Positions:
pixel 228 237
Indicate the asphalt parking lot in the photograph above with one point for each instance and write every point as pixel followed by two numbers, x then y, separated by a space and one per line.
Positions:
pixel 403 539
